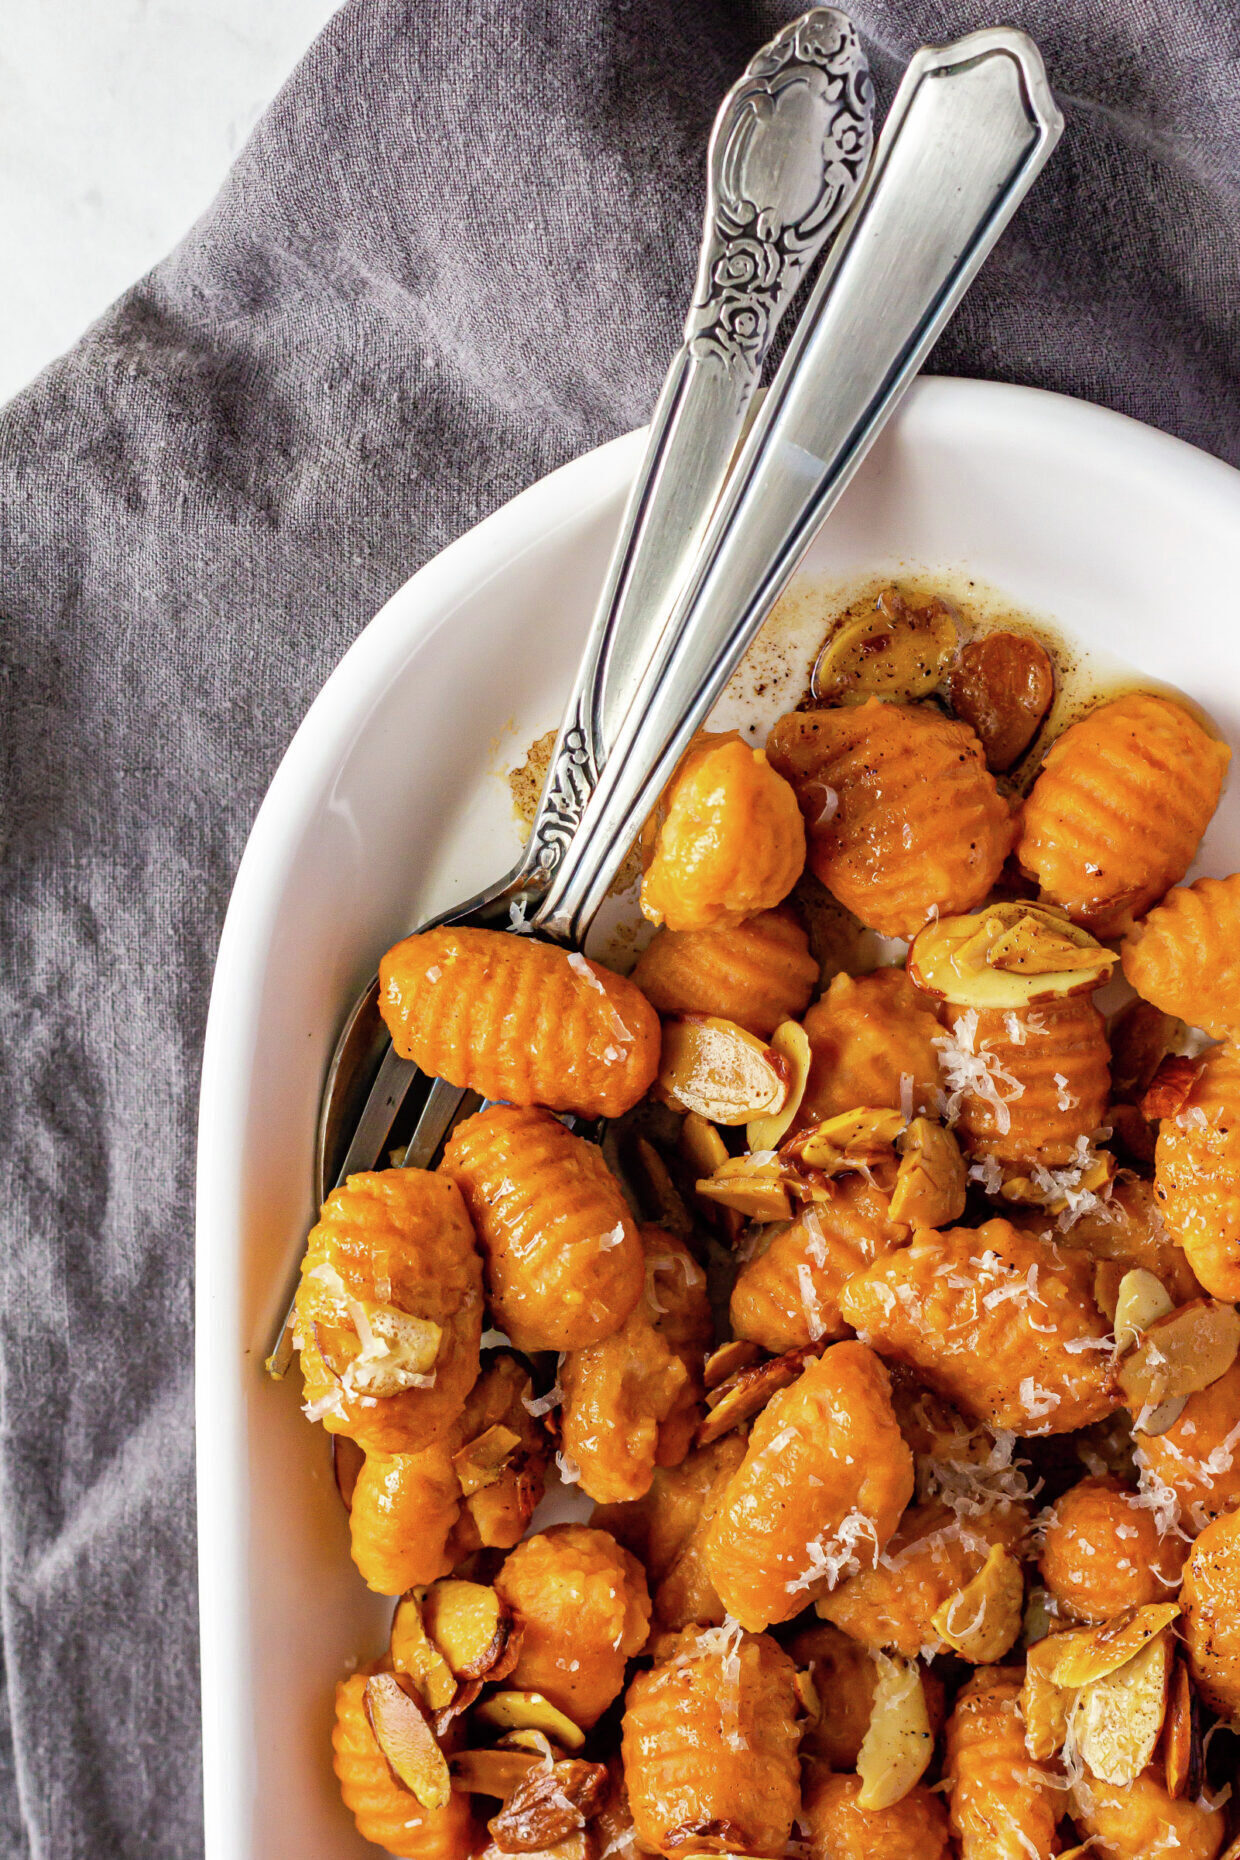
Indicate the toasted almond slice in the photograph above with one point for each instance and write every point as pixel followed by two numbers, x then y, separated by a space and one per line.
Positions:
pixel 467 1692
pixel 701 1145
pixel 791 1042
pixel 1142 1299
pixel 1117 1720
pixel 953 958
pixel 549 1805
pixel 705 1837
pixel 895 650
pixel 932 1181
pixel 1182 1738
pixel 843 1141
pixel 529 1711
pixel 481 1461
pixel 1022 1189
pixel 535 1741
pixel 471 1626
pixel 807 1694
pixel 748 1392
pixel 727 1359
pixel 347 1462
pixel 1171 1086
pixel 495 1772
pixel 413 1652
pixel 380 1351
pixel 1044 1706
pixel 1180 1354
pixel 1155 1421
pixel 983 1619
pixel 755 1190
pixel 666 1201
pixel 1092 1653
pixel 899 1742
pixel 406 1739
pixel 717 1069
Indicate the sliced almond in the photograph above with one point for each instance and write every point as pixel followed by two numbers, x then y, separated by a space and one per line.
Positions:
pixel 983 1619
pixel 894 650
pixel 413 1652
pixel 932 1181
pixel 529 1711
pixel 1044 1706
pixel 406 1739
pixel 1041 955
pixel 495 1772
pixel 791 1042
pixel 756 1190
pixel 1183 1748
pixel 381 1351
pixel 347 1462
pixel 473 1629
pixel 730 1357
pixel 1171 1086
pixel 807 1694
pixel 1087 1654
pixel 1180 1354
pixel 705 1837
pixel 701 1145
pixel 667 1204
pixel 1141 1300
pixel 1002 685
pixel 1028 1193
pixel 747 1393
pixel 717 1069
pixel 846 1141
pixel 899 1742
pixel 1117 1720
pixel 1155 1421
pixel 481 1461
pixel 548 1805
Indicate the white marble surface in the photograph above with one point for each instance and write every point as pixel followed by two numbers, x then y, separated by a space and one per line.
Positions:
pixel 118 120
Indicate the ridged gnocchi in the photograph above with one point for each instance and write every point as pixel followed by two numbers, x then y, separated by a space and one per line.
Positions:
pixel 1184 957
pixel 919 824
pixel 1119 808
pixel 1004 1804
pixel 787 1294
pixel 914 1828
pixel 1027 1086
pixel 1211 1620
pixel 519 1020
pixel 1197 1173
pixel 1141 1818
pixel 385 1811
pixel 756 973
pixel 710 1745
pixel 873 1042
pixel 564 1259
pixel 1102 1551
pixel 731 842
pixel 389 1310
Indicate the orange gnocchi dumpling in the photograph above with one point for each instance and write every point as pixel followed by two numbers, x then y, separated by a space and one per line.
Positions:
pixel 1140 1818
pixel 1185 956
pixel 824 1480
pixel 1004 1803
pixel 1211 1619
pixel 389 1310
pixel 1102 1551
pixel 757 973
pixel 730 843
pixel 787 1294
pixel 931 1556
pixel 1197 1173
pixel 710 1745
pixel 1195 1463
pixel 625 1399
pixel 914 1828
pixel 519 1020
pixel 1118 809
pixel 1123 1233
pixel 918 823
pixel 564 1259
pixel 584 1610
pixel 1001 1323
pixel 404 1510
pixel 1027 1085
pixel 667 1530
pixel 844 1677
pixel 872 1040
pixel 385 1811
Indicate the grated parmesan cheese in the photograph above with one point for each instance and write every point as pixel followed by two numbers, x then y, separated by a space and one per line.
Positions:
pixel 843 1559
pixel 814 1320
pixel 567 1467
pixel 973 1073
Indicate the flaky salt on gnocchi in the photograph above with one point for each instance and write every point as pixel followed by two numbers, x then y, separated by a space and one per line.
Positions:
pixel 884 1344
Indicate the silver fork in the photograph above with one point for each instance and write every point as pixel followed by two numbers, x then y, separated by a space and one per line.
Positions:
pixel 788 151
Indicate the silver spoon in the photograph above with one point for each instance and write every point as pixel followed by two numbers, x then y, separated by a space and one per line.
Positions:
pixel 788 152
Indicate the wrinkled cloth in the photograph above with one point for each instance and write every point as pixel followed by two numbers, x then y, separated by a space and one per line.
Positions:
pixel 455 253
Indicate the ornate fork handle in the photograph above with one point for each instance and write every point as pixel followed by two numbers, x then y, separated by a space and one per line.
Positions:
pixel 789 148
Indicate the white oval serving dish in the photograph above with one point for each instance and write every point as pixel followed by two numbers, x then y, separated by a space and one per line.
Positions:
pixel 391 803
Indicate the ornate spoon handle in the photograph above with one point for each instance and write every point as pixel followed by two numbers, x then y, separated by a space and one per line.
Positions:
pixel 970 129
pixel 790 146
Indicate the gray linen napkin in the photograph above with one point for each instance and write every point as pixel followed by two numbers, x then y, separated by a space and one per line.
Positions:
pixel 454 254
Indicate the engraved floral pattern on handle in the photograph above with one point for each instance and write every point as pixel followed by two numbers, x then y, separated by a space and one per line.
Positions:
pixel 790 146
pixel 570 785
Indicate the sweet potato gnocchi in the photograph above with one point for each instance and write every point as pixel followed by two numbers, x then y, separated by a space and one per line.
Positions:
pixel 885 1344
